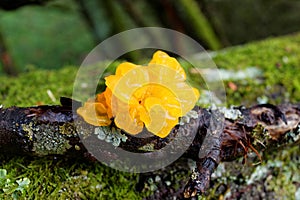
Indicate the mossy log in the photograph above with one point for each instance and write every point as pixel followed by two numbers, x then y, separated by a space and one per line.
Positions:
pixel 220 135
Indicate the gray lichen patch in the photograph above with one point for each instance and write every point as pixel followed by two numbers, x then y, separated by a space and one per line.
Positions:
pixel 46 138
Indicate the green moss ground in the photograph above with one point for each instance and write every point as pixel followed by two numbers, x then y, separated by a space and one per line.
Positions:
pixel 278 58
pixel 280 61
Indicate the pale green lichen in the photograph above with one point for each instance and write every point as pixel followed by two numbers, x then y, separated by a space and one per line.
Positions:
pixel 152 185
pixel 49 141
pixel 260 173
pixel 11 187
pixel 262 100
pixel 192 114
pixel 194 175
pixel 147 147
pixel 232 113
pixel 219 172
pixel 77 147
pixel 28 130
pixel 260 135
pixel 293 136
pixel 46 139
pixel 68 129
pixel 110 135
pixel 207 98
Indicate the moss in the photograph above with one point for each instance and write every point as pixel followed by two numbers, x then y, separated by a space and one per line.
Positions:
pixel 58 179
pixel 278 59
pixel 285 167
pixel 31 88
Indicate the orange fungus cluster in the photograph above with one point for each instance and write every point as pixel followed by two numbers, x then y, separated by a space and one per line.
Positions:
pixel 152 96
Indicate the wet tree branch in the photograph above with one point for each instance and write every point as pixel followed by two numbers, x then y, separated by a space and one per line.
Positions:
pixel 220 135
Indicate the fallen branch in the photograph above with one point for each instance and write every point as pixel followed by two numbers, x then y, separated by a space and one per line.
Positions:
pixel 220 135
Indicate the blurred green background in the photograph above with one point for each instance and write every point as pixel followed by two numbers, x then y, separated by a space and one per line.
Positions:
pixel 49 34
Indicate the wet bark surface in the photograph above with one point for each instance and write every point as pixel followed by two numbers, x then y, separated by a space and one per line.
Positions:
pixel 218 136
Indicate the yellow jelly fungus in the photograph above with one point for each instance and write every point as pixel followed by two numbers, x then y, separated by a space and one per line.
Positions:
pixel 154 96
pixel 96 111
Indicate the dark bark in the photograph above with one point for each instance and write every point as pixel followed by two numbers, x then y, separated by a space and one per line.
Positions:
pixel 50 130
